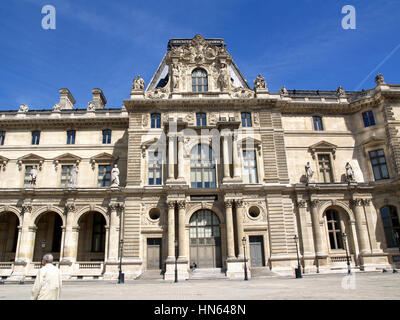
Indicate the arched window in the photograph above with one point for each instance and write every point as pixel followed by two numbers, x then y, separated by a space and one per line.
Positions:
pixel 199 80
pixel 334 229
pixel 391 225
pixel 156 120
pixel 202 167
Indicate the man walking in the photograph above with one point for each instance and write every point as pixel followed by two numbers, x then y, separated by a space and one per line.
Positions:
pixel 47 284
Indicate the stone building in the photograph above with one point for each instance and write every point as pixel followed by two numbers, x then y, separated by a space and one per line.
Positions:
pixel 200 167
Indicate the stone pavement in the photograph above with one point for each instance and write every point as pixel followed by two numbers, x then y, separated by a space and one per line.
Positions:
pixel 372 285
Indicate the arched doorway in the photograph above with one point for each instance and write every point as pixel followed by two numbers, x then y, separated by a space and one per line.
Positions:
pixel 92 237
pixel 205 239
pixel 48 233
pixel 8 236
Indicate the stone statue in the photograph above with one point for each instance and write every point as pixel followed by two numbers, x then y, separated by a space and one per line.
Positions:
pixel 115 176
pixel 175 76
pixel 138 83
pixel 349 173
pixel 259 82
pixel 91 106
pixel 57 107
pixel 379 79
pixel 33 175
pixel 340 91
pixel 73 177
pixel 222 78
pixel 23 108
pixel 283 91
pixel 309 173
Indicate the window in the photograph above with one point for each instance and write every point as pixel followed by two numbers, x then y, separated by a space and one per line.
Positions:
pixel 104 178
pixel 2 137
pixel 325 168
pixel 156 120
pixel 56 245
pixel 71 136
pixel 65 175
pixel 199 80
pixel 246 119
pixel 27 177
pixel 35 137
pixel 107 136
pixel 202 167
pixel 391 226
pixel 318 123
pixel 250 166
pixel 368 118
pixel 155 168
pixel 99 233
pixel 378 162
pixel 201 119
pixel 334 230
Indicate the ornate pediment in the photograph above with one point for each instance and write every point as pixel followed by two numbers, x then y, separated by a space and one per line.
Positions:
pixel 371 142
pixel 102 158
pixel 30 158
pixel 67 157
pixel 323 146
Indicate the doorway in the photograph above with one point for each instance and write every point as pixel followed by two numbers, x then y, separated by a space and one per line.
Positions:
pixel 256 251
pixel 153 253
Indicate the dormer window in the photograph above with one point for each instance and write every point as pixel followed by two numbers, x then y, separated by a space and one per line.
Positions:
pixel 199 80
pixel 155 120
pixel 368 118
pixel 201 120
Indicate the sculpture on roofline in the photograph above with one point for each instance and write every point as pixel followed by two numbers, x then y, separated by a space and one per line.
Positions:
pixel 259 82
pixel 379 79
pixel 57 107
pixel 283 91
pixel 23 108
pixel 138 83
pixel 91 106
pixel 340 91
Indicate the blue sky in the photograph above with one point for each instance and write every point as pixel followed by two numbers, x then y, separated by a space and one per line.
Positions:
pixel 104 44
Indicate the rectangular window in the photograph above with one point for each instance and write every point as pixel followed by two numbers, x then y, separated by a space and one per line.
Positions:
pixel 156 120
pixel 106 136
pixel 104 178
pixel 27 177
pixel 201 119
pixel 250 166
pixel 246 119
pixel 378 162
pixel 318 123
pixel 35 137
pixel 2 137
pixel 65 175
pixel 155 168
pixel 368 118
pixel 99 232
pixel 325 168
pixel 71 136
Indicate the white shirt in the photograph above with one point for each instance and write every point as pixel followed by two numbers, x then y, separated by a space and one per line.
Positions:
pixel 47 285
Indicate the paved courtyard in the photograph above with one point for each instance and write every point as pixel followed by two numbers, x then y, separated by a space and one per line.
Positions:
pixel 374 285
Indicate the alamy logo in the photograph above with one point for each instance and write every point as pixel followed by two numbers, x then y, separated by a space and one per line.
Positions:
pixel 349 20
pixel 49 20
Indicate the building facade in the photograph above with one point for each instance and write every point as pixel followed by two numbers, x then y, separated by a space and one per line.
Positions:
pixel 198 167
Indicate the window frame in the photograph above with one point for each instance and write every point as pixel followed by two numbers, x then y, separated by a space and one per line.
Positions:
pixel 2 137
pixel 154 169
pixel 208 166
pixel 101 233
pixel 196 84
pixel 201 119
pixel 336 221
pixel 155 120
pixel 321 128
pixel 246 118
pixel 368 118
pixel 393 229
pixel 256 176
pixel 35 137
pixel 378 164
pixel 106 138
pixel 72 136
pixel 104 164
pixel 321 178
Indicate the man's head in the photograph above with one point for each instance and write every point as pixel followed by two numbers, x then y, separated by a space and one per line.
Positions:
pixel 47 258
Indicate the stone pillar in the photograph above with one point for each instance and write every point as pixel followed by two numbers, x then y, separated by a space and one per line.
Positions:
pixel 361 228
pixel 236 158
pixel 318 243
pixel 113 243
pixel 225 150
pixel 171 162
pixel 27 245
pixel 182 238
pixel 62 241
pixel 181 166
pixel 230 241
pixel 306 237
pixel 239 225
pixel 171 231
pixel 70 245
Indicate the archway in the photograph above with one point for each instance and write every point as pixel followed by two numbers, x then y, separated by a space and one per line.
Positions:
pixel 92 237
pixel 205 239
pixel 48 236
pixel 8 236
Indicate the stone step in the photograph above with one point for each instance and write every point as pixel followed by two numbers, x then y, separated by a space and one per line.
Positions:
pixel 262 272
pixel 207 273
pixel 151 275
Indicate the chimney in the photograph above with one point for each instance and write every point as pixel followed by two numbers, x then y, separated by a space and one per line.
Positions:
pixel 99 99
pixel 67 101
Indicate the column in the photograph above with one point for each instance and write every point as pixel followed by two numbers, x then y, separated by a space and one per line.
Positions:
pixel 181 230
pixel 70 244
pixel 362 232
pixel 236 158
pixel 113 244
pixel 171 230
pixel 181 167
pixel 319 249
pixel 239 225
pixel 171 163
pixel 230 242
pixel 306 238
pixel 225 149
pixel 27 233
